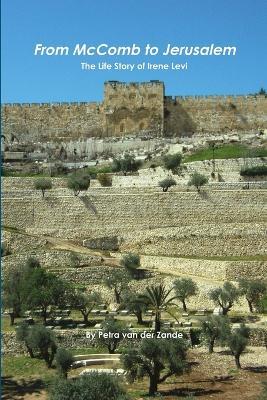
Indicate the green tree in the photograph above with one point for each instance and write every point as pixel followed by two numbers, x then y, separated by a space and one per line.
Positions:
pixel 131 262
pixel 166 183
pixel 184 288
pixel 64 360
pixel 111 334
pixel 23 335
pixel 85 302
pixel 43 184
pixel 237 342
pixel 134 304
pixel 118 282
pixel 215 327
pixel 253 290
pixel 225 296
pixel 100 386
pixel 157 298
pixel 43 340
pixel 197 180
pixel 126 164
pixel 43 290
pixel 156 358
pixel 78 183
pixel 172 161
pixel 13 293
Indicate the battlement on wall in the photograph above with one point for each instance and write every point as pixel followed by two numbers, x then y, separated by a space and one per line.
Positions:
pixel 217 98
pixel 55 104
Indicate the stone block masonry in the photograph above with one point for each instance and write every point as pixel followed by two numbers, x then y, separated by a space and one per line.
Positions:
pixel 132 108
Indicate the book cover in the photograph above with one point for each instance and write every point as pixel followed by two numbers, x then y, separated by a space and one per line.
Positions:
pixel 133 242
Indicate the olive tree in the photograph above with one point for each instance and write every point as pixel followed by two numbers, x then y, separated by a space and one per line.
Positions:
pixel 166 183
pixel 225 296
pixel 184 288
pixel 118 282
pixel 172 161
pixel 131 262
pixel 42 340
pixel 197 180
pixel 237 342
pixel 111 334
pixel 156 358
pixel 43 184
pixel 78 183
pixel 85 302
pixel 215 327
pixel 134 304
pixel 253 290
pixel 64 360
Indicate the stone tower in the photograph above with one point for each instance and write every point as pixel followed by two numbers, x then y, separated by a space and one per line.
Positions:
pixel 133 107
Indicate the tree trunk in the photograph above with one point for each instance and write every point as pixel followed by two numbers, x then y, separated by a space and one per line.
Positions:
pixel 237 361
pixel 44 315
pixel 211 345
pixel 139 317
pixel 157 322
pixel 153 385
pixel 29 349
pixel 12 318
pixel 85 317
pixel 117 296
pixel 184 306
pixel 250 305
pixel 43 192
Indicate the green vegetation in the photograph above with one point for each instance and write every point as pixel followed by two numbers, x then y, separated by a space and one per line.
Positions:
pixel 226 151
pixel 172 162
pixel 156 358
pixel 64 360
pixel 225 296
pixel 166 183
pixel 111 334
pixel 134 304
pixel 157 298
pixel 131 262
pixel 104 179
pixel 237 342
pixel 118 282
pixel 254 291
pixel 197 180
pixel 84 302
pixel 214 328
pixel 43 184
pixel 93 386
pixel 184 288
pixel 78 183
pixel 126 164
pixel 257 170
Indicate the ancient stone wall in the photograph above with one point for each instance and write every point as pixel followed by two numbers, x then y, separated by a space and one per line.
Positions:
pixel 130 109
pixel 214 114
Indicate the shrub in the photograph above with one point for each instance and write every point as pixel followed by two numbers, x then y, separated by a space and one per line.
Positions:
pixel 126 164
pixel 166 183
pixel 64 360
pixel 43 184
pixel 104 179
pixel 257 170
pixel 91 386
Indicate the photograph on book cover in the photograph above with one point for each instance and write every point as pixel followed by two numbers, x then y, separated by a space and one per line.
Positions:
pixel 134 180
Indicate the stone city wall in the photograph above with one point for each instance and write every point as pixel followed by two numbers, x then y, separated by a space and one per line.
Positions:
pixel 60 122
